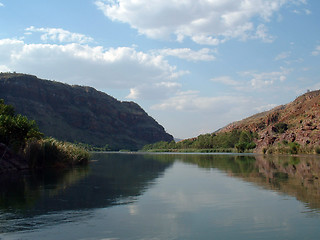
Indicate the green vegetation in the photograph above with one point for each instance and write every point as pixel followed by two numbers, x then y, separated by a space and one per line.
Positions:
pixel 15 130
pixel 280 127
pixel 50 152
pixel 291 148
pixel 235 141
pixel 24 138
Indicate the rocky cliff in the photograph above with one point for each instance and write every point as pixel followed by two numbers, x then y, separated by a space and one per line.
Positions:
pixel 296 122
pixel 80 114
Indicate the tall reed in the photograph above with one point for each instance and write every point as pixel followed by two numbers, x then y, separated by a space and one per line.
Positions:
pixel 50 152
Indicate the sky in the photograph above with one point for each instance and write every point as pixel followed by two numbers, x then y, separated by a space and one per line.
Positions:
pixel 193 65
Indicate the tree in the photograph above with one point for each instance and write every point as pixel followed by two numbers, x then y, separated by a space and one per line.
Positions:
pixel 245 141
pixel 15 130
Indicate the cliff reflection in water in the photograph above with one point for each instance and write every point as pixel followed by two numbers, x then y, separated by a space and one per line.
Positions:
pixel 29 200
pixel 20 191
pixel 296 176
pixel 110 179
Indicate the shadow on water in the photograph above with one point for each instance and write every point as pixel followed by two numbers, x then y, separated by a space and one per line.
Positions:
pixel 111 179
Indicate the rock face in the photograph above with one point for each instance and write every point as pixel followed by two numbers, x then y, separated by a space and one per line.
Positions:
pixel 10 161
pixel 80 114
pixel 301 118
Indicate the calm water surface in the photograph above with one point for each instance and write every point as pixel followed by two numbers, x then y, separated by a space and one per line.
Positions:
pixel 166 196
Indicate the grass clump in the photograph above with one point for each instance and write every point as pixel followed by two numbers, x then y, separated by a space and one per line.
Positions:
pixel 49 152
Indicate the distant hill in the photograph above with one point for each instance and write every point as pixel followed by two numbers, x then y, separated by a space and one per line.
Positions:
pixel 296 122
pixel 288 129
pixel 80 114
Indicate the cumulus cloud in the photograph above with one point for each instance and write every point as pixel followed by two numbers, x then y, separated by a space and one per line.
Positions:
pixel 209 113
pixel 254 80
pixel 282 56
pixel 59 35
pixel 74 63
pixel 261 80
pixel 226 80
pixel 155 91
pixel 265 107
pixel 204 54
pixel 191 101
pixel 205 22
pixel 304 11
pixel 316 52
pixel 307 11
pixel 207 40
pixel 262 33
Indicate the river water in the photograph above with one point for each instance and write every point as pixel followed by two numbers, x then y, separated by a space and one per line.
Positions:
pixel 166 196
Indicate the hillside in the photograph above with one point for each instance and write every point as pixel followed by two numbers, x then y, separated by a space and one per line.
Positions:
pixel 296 122
pixel 292 128
pixel 80 114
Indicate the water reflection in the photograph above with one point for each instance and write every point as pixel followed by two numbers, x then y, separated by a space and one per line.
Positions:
pixel 297 176
pixel 35 200
pixel 109 180
pixel 293 175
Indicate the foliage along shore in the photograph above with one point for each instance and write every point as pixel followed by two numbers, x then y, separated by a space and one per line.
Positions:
pixel 235 141
pixel 293 128
pixel 232 142
pixel 23 145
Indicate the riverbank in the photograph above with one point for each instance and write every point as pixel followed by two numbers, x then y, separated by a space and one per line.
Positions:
pixel 43 153
pixel 23 146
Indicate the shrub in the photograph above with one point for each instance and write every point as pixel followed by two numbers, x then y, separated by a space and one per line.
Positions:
pixel 294 147
pixel 264 150
pixel 280 127
pixel 15 130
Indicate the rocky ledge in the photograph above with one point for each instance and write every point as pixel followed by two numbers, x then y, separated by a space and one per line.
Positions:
pixel 10 161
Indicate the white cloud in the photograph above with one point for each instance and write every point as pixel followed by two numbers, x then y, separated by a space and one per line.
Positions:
pixel 316 52
pixel 265 107
pixel 122 67
pixel 205 22
pixel 155 91
pixel 304 11
pixel 59 35
pixel 226 80
pixel 207 40
pixel 4 68
pixel 263 80
pixel 282 56
pixel 307 11
pixel 252 80
pixel 1 4
pixel 262 33
pixel 209 113
pixel 204 54
pixel 191 101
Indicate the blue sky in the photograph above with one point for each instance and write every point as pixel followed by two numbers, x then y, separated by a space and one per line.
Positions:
pixel 194 66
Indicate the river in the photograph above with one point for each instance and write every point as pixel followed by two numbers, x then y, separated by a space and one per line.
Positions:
pixel 166 196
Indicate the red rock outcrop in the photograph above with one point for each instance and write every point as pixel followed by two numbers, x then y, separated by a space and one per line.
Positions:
pixel 302 116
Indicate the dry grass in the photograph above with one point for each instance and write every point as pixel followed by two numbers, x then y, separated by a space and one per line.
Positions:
pixel 50 152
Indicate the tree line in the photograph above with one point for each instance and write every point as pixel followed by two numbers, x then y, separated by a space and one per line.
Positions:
pixel 234 141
